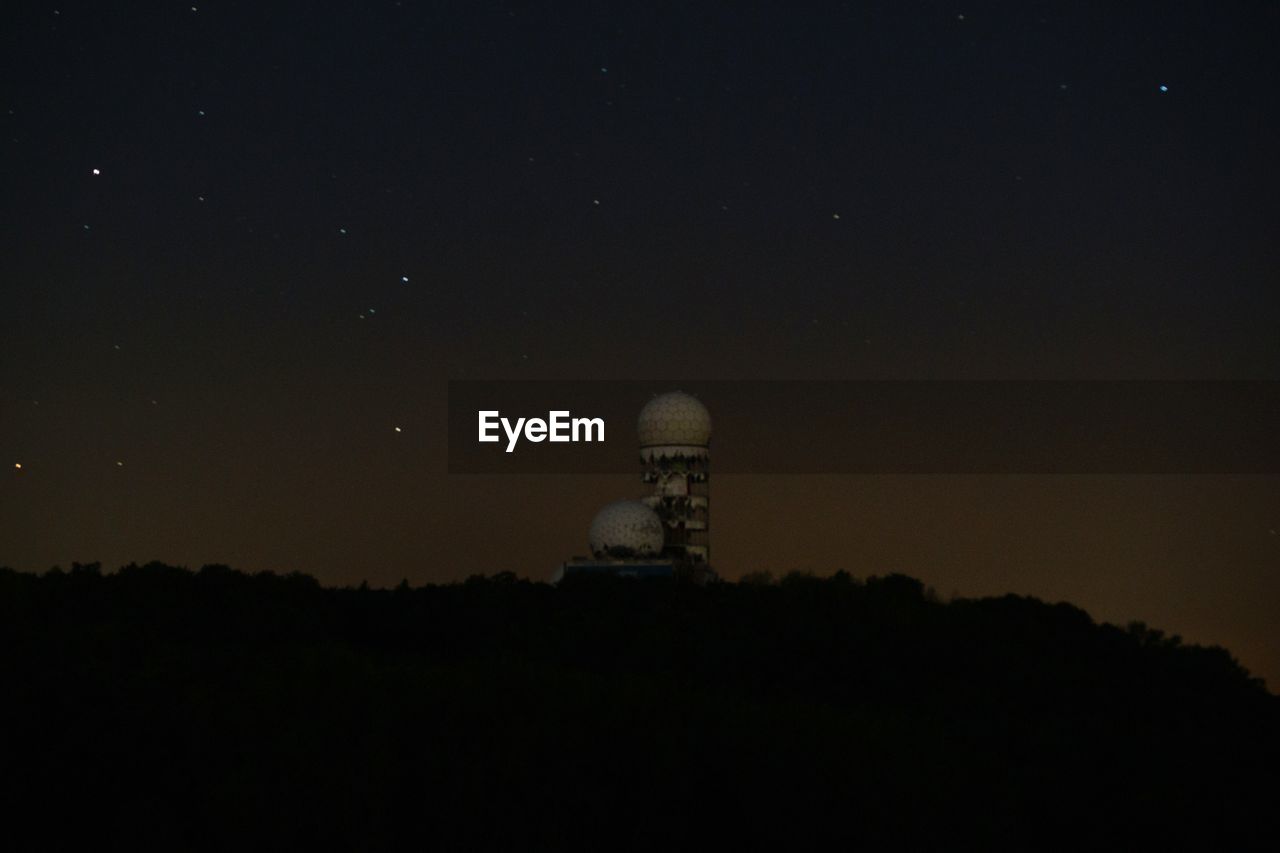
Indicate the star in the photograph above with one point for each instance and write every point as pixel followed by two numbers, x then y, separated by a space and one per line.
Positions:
pixel 18 466
pixel 404 278
pixel 1163 88
pixel 97 172
pixel 397 429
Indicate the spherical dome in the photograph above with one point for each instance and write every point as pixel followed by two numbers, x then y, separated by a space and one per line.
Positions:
pixel 625 529
pixel 674 418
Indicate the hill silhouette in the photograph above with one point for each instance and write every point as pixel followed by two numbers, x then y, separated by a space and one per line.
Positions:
pixel 219 710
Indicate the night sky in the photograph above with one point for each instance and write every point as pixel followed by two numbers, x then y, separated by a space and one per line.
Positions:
pixel 244 247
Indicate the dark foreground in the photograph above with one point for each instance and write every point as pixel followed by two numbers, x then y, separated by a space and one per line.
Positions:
pixel 222 711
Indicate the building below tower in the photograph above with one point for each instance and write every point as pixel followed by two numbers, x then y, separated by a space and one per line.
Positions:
pixel 589 567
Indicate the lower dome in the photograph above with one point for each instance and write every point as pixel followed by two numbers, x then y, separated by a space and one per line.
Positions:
pixel 625 529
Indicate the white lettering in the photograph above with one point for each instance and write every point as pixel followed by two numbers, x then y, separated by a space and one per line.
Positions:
pixel 512 434
pixel 587 424
pixel 559 421
pixel 558 427
pixel 488 422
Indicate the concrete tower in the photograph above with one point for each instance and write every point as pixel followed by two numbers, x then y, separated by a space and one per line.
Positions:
pixel 675 440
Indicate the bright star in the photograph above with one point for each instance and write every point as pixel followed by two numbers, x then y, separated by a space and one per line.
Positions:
pixel 1164 88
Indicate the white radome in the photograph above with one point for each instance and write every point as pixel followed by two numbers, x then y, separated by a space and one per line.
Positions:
pixel 674 419
pixel 625 529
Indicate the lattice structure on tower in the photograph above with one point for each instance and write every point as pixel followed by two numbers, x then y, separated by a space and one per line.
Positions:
pixel 675 442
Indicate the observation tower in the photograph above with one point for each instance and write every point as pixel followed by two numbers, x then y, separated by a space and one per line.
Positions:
pixel 675 442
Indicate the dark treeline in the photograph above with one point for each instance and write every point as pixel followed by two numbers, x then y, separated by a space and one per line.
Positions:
pixel 220 710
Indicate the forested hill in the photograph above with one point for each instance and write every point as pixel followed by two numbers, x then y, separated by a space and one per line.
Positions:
pixel 219 710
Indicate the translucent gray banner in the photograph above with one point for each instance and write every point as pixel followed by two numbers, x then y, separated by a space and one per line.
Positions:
pixel 890 427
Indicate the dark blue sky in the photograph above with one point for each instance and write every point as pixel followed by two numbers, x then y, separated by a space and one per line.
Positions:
pixel 1014 175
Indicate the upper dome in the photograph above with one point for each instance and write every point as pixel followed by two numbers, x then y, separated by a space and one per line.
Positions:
pixel 625 529
pixel 674 418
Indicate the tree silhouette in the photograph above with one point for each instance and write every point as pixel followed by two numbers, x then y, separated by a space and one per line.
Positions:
pixel 222 710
